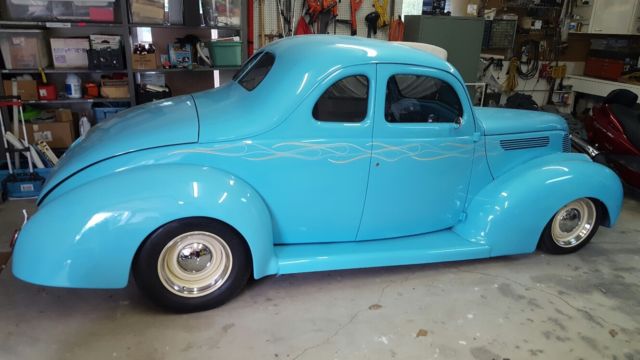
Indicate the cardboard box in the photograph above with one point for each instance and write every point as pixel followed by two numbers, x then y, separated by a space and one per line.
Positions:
pixel 147 11
pixel 144 62
pixel 70 52
pixel 180 56
pixel 115 89
pixel 64 115
pixel 23 49
pixel 27 89
pixel 56 134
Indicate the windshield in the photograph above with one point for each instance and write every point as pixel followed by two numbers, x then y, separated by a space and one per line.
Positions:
pixel 255 70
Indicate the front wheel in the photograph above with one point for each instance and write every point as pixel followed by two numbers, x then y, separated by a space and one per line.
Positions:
pixel 572 227
pixel 192 264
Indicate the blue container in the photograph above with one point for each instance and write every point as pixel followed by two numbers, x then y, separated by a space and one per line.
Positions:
pixel 23 185
pixel 102 113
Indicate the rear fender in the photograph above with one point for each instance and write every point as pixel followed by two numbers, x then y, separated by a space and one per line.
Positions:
pixel 88 236
pixel 510 213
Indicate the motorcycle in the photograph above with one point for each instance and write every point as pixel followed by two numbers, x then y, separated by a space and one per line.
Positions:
pixel 613 135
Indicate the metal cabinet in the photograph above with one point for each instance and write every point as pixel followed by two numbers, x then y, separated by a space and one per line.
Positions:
pixel 460 36
pixel 611 16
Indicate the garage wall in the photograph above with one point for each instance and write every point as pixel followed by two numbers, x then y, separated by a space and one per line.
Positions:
pixel 344 13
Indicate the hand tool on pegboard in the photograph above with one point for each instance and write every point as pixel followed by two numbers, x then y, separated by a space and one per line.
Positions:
pixel 261 33
pixel 372 23
pixel 355 6
pixel 328 13
pixel 280 27
pixel 396 28
pixel 381 9
pixel 286 14
pixel 321 12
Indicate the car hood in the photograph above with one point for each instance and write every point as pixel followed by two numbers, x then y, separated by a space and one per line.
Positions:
pixel 500 121
pixel 168 122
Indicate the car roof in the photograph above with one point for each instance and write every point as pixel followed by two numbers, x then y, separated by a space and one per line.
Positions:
pixel 335 50
pixel 301 63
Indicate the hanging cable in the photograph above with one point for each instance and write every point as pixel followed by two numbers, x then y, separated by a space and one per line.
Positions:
pixel 529 57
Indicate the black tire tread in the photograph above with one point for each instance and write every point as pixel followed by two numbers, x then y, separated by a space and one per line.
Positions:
pixel 145 265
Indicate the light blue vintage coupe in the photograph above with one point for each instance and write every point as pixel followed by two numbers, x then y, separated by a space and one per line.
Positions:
pixel 323 153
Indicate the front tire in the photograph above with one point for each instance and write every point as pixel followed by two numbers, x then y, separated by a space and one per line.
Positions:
pixel 572 227
pixel 192 265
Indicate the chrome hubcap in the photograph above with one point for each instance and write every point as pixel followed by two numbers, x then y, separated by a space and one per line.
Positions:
pixel 569 220
pixel 573 223
pixel 195 258
pixel 194 264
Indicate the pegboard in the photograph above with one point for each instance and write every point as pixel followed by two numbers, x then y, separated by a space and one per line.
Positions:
pixel 344 13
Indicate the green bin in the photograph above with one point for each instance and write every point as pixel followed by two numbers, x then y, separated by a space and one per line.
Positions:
pixel 225 53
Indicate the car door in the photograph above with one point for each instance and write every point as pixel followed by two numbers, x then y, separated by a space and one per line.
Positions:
pixel 421 153
pixel 315 181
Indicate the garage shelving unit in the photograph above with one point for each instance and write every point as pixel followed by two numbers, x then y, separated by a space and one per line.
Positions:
pixel 186 80
pixel 127 30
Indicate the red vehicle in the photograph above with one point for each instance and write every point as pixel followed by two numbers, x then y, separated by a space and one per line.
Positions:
pixel 614 134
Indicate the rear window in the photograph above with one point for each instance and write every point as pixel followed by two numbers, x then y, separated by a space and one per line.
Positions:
pixel 344 101
pixel 255 70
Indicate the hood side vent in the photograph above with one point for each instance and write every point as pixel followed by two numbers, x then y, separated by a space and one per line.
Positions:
pixel 566 143
pixel 525 143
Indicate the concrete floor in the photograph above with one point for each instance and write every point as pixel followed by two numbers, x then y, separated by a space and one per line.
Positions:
pixel 580 306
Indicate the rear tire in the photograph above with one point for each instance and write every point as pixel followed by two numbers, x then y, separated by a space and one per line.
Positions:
pixel 192 264
pixel 572 227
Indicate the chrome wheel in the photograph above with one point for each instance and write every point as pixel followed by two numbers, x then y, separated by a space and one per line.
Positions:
pixel 573 223
pixel 195 264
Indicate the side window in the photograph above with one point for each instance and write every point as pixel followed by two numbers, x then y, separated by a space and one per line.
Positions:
pixel 421 99
pixel 345 101
pixel 256 71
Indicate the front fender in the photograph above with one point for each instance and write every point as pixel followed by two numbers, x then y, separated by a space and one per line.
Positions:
pixel 510 213
pixel 88 236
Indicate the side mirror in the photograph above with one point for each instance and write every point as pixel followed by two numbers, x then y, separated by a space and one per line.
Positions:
pixel 458 122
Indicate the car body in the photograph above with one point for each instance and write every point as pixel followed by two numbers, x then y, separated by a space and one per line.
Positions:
pixel 323 153
pixel 614 130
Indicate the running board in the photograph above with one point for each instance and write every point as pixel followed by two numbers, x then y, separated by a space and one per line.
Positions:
pixel 420 249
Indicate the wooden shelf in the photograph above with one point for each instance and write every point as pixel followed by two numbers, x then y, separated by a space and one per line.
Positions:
pixel 74 101
pixel 57 71
pixel 161 70
pixel 178 26
pixel 58 24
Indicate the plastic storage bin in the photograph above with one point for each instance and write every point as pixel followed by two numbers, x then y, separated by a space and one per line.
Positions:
pixel 22 184
pixel 102 112
pixel 221 13
pixel 226 53
pixel 24 49
pixel 154 12
pixel 63 10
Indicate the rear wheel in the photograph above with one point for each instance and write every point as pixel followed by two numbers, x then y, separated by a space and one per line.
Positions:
pixel 192 264
pixel 572 227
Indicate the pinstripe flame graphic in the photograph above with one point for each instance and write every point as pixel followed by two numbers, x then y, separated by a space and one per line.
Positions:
pixel 339 153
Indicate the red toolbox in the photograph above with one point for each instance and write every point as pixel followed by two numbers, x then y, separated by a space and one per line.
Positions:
pixel 610 69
